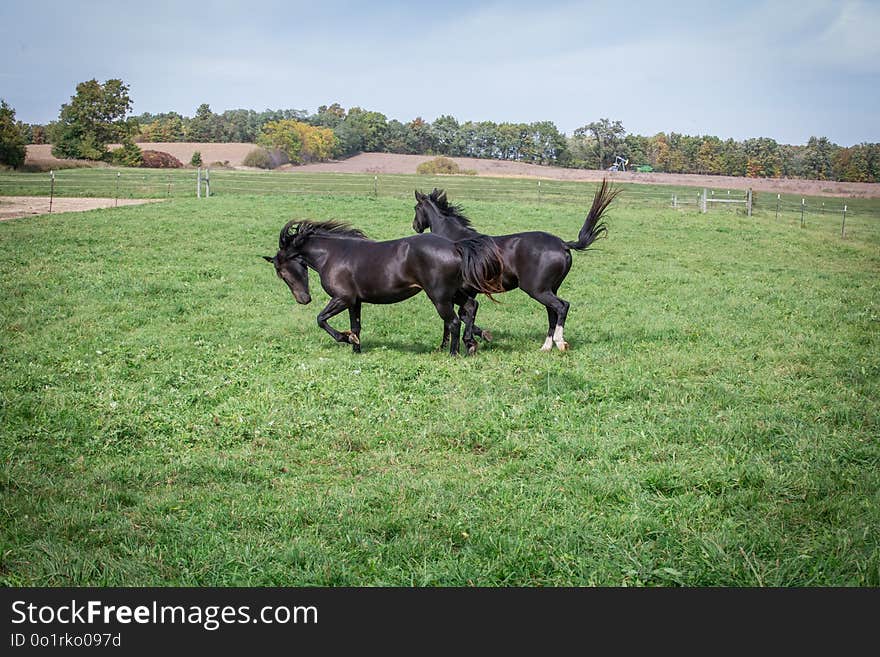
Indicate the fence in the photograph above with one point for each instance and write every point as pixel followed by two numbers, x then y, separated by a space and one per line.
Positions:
pixel 179 183
pixel 706 199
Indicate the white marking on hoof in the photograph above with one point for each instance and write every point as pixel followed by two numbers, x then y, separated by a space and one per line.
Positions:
pixel 548 344
pixel 558 339
pixel 352 338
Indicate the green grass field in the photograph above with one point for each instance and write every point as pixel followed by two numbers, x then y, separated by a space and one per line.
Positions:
pixel 171 417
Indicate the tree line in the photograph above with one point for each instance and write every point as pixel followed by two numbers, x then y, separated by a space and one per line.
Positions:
pixel 98 115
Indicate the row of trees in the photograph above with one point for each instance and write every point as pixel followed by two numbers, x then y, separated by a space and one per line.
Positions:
pixel 594 145
pixel 99 114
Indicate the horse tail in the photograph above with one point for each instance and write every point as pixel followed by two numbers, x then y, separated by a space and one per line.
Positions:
pixel 481 264
pixel 594 228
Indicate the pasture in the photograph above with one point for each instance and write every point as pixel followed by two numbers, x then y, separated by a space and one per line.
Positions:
pixel 170 416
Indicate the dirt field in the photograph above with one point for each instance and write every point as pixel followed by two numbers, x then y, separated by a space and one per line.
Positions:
pixel 28 206
pixel 234 153
pixel 390 163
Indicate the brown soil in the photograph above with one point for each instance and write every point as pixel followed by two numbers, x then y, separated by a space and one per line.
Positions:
pixel 233 153
pixel 390 163
pixel 28 206
pixel 380 163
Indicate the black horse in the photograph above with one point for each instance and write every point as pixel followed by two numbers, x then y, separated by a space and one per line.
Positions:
pixel 356 270
pixel 536 262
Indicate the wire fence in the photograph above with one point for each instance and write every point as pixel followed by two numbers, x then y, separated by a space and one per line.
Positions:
pixel 188 183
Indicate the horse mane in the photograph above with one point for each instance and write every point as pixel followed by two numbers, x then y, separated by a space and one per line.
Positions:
pixel 295 232
pixel 451 210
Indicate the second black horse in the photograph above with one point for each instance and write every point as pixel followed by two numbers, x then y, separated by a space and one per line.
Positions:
pixel 535 261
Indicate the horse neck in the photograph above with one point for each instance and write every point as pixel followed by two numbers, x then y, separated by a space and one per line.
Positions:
pixel 449 228
pixel 320 250
pixel 316 252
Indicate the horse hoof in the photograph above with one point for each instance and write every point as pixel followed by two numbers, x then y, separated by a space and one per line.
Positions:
pixel 351 337
pixel 471 350
pixel 546 348
pixel 563 346
pixel 487 335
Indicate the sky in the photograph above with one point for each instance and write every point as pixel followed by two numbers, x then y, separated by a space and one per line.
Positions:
pixel 784 70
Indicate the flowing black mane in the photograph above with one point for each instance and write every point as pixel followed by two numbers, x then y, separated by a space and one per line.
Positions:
pixel 451 210
pixel 295 232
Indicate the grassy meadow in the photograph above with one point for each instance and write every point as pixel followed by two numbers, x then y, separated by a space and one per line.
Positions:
pixel 170 416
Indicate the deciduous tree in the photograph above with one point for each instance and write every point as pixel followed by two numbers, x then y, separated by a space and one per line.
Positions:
pixel 12 141
pixel 95 117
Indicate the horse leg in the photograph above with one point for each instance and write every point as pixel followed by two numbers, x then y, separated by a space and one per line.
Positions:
pixel 354 318
pixel 551 321
pixel 478 332
pixel 467 314
pixel 559 307
pixel 451 324
pixel 336 306
pixel 445 341
pixel 558 338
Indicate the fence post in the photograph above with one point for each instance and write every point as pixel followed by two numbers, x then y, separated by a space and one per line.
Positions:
pixel 51 190
pixel 803 205
pixel 116 200
pixel 674 202
pixel 703 201
pixel 207 183
pixel 749 202
pixel 375 186
pixel 539 191
pixel 199 183
pixel 777 206
pixel 843 224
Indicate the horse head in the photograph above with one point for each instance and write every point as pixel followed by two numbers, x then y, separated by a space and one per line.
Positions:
pixel 426 208
pixel 290 265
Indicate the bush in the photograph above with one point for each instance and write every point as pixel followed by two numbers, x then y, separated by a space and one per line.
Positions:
pixel 264 159
pixel 259 157
pixel 438 165
pixel 127 155
pixel 196 159
pixel 160 160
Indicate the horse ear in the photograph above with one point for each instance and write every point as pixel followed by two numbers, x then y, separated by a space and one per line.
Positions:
pixel 441 197
pixel 419 196
pixel 269 259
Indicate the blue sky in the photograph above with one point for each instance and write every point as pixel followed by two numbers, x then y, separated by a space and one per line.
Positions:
pixel 786 70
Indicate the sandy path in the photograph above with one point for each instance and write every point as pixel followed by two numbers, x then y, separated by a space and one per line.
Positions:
pixel 28 206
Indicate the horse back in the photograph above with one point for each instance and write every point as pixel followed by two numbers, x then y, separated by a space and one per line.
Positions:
pixel 392 270
pixel 532 255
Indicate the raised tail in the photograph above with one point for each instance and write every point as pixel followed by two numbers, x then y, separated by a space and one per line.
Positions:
pixel 481 264
pixel 594 228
